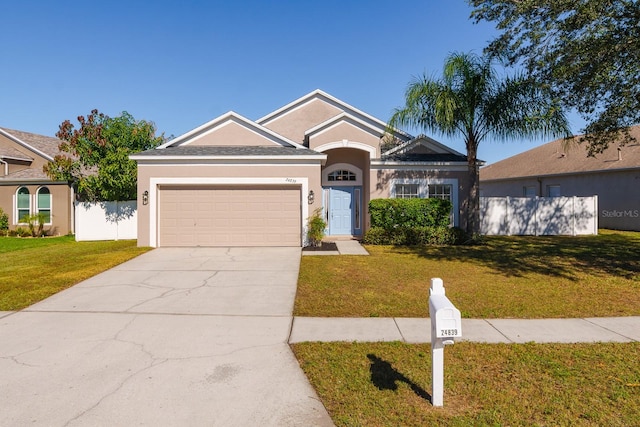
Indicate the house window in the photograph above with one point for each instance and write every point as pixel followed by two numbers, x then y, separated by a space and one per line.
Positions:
pixel 553 191
pixel 23 204
pixel 406 191
pixel 44 204
pixel 341 175
pixel 529 191
pixel 439 191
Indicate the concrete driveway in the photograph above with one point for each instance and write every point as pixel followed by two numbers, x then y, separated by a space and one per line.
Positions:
pixel 187 337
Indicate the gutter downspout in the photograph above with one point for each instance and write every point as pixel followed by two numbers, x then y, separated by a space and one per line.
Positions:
pixel 6 168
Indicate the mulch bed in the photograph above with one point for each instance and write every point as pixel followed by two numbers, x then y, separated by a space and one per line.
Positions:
pixel 325 246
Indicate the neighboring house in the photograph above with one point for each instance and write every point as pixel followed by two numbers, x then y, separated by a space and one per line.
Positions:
pixel 238 182
pixel 551 170
pixel 25 189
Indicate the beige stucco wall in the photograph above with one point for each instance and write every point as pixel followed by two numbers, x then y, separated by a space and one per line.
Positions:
pixel 232 134
pixel 618 193
pixel 345 131
pixel 284 173
pixel 294 123
pixel 61 209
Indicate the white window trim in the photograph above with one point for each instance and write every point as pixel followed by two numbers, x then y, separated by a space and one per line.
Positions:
pixel 422 186
pixel 423 190
pixel 341 166
pixel 16 214
pixel 37 205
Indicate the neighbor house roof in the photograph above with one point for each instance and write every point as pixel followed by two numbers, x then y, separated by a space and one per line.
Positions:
pixel 558 158
pixel 30 146
pixel 45 146
pixel 13 154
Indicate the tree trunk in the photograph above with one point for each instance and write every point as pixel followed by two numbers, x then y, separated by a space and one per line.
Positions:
pixel 472 198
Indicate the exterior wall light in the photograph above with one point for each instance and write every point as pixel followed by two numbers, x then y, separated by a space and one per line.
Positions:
pixel 311 197
pixel 145 197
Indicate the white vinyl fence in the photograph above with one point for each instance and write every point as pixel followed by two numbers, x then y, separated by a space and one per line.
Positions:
pixel 106 220
pixel 539 215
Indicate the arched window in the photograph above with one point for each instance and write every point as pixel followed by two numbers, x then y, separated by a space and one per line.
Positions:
pixel 44 204
pixel 23 203
pixel 341 175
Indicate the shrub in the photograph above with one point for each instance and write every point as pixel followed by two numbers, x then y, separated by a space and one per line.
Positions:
pixel 415 236
pixel 20 232
pixel 36 223
pixel 4 222
pixel 315 228
pixel 390 214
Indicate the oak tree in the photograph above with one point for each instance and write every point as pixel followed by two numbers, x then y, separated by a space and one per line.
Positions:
pixel 95 156
pixel 588 51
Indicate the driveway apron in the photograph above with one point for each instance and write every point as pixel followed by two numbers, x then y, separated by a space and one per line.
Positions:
pixel 177 336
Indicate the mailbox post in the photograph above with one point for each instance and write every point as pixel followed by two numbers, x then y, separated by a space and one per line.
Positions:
pixel 446 324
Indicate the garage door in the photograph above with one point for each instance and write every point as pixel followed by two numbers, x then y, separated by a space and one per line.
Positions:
pixel 229 216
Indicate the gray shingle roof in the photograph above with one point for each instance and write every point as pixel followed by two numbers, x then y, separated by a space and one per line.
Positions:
pixel 12 153
pixel 553 159
pixel 425 157
pixel 26 174
pixel 46 144
pixel 231 151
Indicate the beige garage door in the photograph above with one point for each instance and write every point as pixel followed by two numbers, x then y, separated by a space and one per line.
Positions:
pixel 229 216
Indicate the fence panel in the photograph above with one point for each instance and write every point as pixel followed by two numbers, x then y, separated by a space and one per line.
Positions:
pixel 106 220
pixel 539 215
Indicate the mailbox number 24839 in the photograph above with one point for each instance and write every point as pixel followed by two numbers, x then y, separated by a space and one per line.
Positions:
pixel 448 332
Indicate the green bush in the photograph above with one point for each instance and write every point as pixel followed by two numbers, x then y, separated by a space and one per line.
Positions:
pixel 391 214
pixel 315 228
pixel 415 236
pixel 20 232
pixel 4 222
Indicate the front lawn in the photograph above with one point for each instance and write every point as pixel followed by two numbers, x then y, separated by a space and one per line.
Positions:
pixel 34 269
pixel 389 384
pixel 508 277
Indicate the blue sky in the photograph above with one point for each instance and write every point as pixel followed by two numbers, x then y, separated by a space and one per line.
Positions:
pixel 183 63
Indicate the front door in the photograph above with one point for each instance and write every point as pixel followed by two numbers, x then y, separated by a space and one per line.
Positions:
pixel 340 210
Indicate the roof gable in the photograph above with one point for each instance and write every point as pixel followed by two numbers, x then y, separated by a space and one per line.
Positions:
pixel 40 145
pixel 344 118
pixel 421 144
pixel 553 158
pixel 231 129
pixel 333 108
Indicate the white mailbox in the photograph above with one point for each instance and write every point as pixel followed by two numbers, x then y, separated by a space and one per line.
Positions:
pixel 446 321
pixel 446 324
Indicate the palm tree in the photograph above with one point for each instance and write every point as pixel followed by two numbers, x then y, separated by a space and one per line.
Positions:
pixel 472 101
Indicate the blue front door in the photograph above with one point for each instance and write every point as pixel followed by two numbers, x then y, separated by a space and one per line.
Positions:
pixel 340 210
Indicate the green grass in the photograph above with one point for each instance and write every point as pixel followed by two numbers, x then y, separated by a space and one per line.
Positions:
pixel 507 277
pixel 34 269
pixel 389 384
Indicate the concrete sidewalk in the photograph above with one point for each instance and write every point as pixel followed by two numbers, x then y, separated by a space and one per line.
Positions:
pixel 418 330
pixel 345 247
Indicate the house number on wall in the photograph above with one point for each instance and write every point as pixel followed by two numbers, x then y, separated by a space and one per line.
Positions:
pixel 293 181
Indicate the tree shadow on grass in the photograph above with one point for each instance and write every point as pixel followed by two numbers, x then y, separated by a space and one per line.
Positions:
pixel 610 253
pixel 385 377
